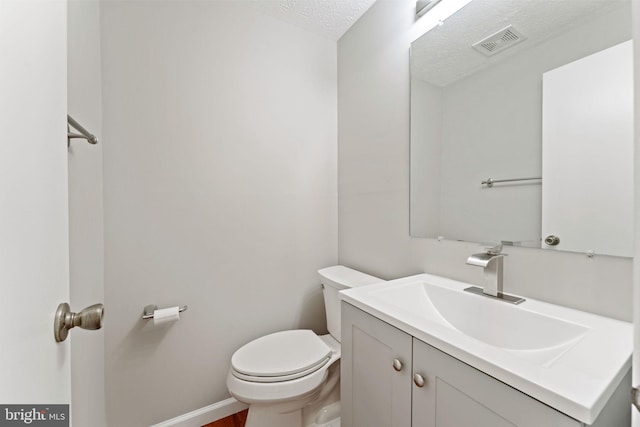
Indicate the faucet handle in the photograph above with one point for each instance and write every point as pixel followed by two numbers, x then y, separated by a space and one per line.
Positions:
pixel 495 250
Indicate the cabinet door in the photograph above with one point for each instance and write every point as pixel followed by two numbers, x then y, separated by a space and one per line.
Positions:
pixel 374 392
pixel 456 395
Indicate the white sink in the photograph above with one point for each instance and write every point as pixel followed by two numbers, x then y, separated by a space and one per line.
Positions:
pixel 571 360
pixel 530 335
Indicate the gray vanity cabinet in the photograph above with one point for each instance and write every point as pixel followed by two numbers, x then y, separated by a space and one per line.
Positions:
pixel 375 372
pixel 381 384
pixel 455 394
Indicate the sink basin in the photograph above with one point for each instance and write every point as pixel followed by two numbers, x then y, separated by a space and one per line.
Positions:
pixel 568 359
pixel 528 334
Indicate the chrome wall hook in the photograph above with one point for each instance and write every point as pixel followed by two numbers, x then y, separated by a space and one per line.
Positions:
pixel 85 134
pixel 89 318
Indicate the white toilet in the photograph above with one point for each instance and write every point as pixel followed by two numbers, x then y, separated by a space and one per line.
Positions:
pixel 291 378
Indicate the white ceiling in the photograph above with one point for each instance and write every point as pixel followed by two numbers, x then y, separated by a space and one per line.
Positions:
pixel 327 18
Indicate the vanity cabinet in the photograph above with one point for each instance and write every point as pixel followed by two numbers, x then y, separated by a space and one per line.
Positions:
pixel 375 372
pixel 390 379
pixel 456 394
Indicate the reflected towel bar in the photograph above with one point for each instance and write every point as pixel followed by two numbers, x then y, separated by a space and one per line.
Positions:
pixel 91 138
pixel 490 181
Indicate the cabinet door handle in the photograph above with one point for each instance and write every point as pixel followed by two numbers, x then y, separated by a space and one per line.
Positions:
pixel 419 380
pixel 397 365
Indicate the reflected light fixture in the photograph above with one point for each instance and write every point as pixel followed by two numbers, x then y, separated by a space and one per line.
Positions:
pixel 439 11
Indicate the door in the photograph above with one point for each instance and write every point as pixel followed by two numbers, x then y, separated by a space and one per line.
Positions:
pixel 375 372
pixel 635 381
pixel 34 253
pixel 587 153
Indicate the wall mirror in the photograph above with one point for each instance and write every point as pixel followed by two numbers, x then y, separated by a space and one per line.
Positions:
pixel 522 126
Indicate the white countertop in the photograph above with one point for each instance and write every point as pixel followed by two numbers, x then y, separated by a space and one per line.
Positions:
pixel 576 378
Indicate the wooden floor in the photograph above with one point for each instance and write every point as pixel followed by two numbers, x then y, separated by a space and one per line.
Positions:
pixel 235 420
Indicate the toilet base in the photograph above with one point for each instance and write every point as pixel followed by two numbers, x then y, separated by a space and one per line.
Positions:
pixel 319 409
pixel 265 417
pixel 326 410
pixel 260 416
pixel 329 416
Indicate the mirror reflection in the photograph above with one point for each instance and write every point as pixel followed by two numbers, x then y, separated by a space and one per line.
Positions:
pixel 522 126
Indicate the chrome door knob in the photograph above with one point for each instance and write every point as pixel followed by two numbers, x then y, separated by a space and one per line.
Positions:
pixel 89 318
pixel 635 397
pixel 397 365
pixel 551 240
pixel 419 380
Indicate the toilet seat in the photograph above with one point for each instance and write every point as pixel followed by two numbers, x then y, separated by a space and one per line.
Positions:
pixel 253 392
pixel 281 356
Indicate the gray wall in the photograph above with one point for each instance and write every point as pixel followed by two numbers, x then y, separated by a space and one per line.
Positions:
pixel 220 165
pixel 86 239
pixel 373 184
pixel 426 158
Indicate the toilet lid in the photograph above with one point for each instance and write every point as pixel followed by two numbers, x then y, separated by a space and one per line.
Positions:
pixel 280 356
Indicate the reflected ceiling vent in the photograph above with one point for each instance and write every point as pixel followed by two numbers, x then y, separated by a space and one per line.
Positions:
pixel 497 42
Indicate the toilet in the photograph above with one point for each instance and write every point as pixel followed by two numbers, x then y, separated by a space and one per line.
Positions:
pixel 291 378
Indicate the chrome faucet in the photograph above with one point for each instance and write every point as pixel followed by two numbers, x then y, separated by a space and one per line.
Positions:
pixel 492 262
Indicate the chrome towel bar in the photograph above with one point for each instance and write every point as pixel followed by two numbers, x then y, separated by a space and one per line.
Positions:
pixel 490 181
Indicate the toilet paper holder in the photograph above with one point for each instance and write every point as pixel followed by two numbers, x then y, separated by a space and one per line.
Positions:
pixel 149 309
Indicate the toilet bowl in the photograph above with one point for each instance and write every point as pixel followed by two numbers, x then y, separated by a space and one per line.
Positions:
pixel 291 378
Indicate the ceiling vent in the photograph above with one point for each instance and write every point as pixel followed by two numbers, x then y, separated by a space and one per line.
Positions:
pixel 499 41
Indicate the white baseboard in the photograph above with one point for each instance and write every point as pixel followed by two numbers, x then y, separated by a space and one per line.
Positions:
pixel 205 415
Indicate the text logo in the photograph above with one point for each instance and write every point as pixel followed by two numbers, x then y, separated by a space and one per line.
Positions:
pixel 34 415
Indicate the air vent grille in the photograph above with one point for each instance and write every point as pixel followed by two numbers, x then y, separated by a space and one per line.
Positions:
pixel 499 41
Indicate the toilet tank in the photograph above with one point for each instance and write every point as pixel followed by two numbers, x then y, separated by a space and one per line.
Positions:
pixel 335 279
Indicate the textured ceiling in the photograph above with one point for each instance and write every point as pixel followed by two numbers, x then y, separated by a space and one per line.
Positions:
pixel 444 55
pixel 328 18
